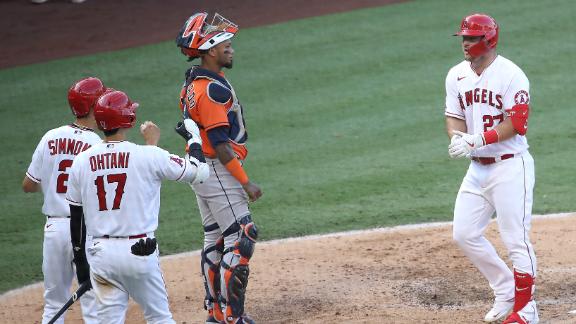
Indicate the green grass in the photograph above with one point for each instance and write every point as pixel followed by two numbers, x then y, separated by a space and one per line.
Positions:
pixel 345 115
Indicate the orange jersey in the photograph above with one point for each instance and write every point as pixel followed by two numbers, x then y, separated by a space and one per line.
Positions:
pixel 211 102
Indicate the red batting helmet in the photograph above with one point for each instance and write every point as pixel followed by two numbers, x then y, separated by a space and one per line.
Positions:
pixel 480 25
pixel 197 35
pixel 83 94
pixel 115 110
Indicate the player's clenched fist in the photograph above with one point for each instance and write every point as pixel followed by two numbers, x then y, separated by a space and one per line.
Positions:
pixel 150 132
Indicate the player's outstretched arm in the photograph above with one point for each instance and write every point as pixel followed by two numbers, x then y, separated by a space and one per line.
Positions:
pixel 190 132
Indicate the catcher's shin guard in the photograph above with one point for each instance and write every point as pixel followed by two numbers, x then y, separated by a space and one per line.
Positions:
pixel 235 271
pixel 211 258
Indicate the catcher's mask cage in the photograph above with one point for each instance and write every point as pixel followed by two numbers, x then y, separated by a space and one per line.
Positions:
pixel 198 35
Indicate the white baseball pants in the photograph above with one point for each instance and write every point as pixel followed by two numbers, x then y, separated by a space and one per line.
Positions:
pixel 503 187
pixel 58 270
pixel 117 274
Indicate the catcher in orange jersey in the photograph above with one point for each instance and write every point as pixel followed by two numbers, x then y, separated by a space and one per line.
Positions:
pixel 229 233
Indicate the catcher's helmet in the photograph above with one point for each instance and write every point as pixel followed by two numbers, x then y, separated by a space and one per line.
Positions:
pixel 197 35
pixel 115 110
pixel 83 94
pixel 480 25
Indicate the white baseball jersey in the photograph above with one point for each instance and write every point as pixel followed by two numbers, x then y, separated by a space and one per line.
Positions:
pixel 482 101
pixel 51 162
pixel 118 186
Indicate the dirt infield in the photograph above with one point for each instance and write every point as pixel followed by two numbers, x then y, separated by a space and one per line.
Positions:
pixel 402 275
pixel 56 29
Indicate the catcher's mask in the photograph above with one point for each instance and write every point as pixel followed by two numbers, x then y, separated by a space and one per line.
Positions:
pixel 83 94
pixel 115 110
pixel 480 25
pixel 197 35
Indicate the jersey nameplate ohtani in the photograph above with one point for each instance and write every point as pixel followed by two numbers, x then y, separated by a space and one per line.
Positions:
pixel 114 160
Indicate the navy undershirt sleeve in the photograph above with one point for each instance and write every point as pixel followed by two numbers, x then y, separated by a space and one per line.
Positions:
pixel 218 135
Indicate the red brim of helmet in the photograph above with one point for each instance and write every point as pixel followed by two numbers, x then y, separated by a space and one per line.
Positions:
pixel 470 33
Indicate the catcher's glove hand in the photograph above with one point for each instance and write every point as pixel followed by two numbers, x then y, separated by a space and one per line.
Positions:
pixel 144 248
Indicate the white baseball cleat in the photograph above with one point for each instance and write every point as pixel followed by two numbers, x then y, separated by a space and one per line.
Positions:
pixel 499 310
pixel 527 315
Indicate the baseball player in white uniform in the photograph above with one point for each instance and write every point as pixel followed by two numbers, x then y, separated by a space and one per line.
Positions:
pixel 49 172
pixel 487 98
pixel 116 185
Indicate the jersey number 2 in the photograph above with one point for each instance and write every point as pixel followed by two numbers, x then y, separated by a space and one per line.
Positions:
pixel 62 177
pixel 119 178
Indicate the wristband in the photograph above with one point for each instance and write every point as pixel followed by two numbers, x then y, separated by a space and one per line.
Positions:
pixel 235 168
pixel 490 137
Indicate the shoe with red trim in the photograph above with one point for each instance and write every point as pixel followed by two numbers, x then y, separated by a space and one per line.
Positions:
pixel 527 315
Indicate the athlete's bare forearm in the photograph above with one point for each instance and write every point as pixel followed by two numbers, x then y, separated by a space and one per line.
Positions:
pixel 224 152
pixel 453 124
pixel 505 130
pixel 29 185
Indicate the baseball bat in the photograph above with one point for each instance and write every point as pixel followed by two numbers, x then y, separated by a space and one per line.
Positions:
pixel 84 287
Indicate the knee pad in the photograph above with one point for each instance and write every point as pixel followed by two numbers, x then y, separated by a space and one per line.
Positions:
pixel 211 258
pixel 235 271
pixel 245 246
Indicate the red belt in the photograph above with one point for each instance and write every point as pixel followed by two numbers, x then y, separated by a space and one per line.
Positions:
pixel 490 160
pixel 131 237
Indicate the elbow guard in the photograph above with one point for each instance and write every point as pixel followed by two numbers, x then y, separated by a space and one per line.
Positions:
pixel 519 116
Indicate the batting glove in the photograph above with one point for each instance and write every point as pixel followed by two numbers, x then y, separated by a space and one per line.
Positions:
pixel 455 138
pixel 462 144
pixel 190 132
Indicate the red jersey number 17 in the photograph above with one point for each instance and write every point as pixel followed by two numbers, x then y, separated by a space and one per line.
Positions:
pixel 120 179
